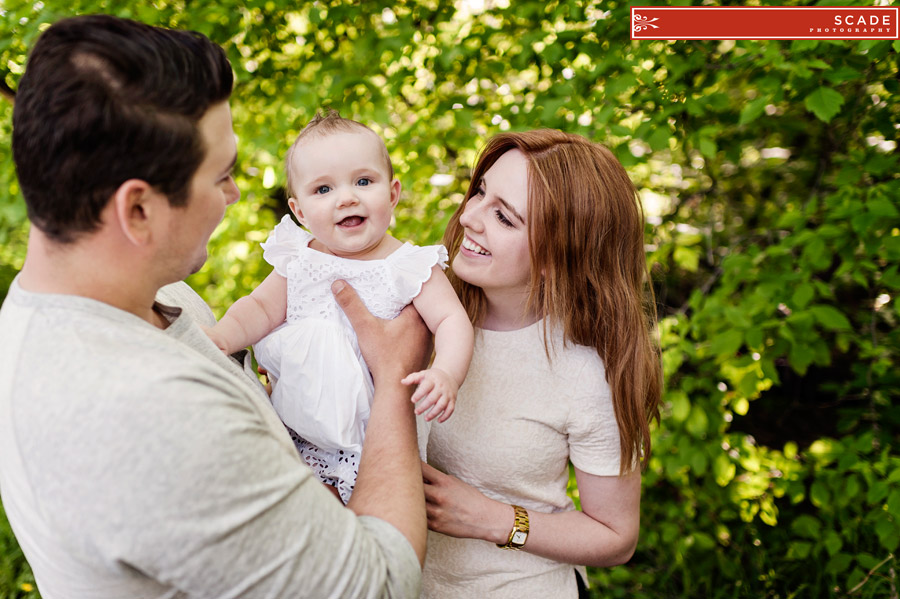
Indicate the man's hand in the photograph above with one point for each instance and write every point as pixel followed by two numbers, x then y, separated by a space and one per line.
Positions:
pixel 391 348
pixel 389 485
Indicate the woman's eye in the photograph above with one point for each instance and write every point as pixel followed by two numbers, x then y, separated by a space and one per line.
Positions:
pixel 479 192
pixel 502 218
pixel 322 189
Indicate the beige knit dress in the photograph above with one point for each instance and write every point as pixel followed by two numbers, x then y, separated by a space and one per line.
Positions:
pixel 520 418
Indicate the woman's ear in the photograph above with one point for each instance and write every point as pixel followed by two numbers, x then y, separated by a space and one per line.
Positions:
pixel 135 206
pixel 294 205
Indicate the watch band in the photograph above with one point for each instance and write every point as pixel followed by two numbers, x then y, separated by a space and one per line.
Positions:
pixel 519 533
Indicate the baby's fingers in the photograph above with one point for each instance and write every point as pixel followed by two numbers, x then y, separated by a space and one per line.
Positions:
pixel 439 403
pixel 448 411
pixel 413 378
pixel 423 391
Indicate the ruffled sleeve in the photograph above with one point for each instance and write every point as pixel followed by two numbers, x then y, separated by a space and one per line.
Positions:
pixel 412 267
pixel 284 244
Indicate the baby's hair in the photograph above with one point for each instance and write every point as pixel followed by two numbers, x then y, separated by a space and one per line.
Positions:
pixel 327 123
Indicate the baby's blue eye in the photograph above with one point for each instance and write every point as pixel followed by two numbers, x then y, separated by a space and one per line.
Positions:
pixel 363 182
pixel 322 189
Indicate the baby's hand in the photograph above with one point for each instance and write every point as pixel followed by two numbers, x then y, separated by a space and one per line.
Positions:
pixel 436 395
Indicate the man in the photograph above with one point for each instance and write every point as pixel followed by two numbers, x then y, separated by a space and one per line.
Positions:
pixel 135 459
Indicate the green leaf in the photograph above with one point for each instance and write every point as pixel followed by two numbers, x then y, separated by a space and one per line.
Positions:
pixel 755 338
pixel 807 526
pixel 842 74
pixel 833 542
pixel 800 357
pixel 687 258
pixel 893 503
pixel 817 254
pixel 830 317
pixel 825 103
pixel 753 110
pixel 887 533
pixel 799 550
pixel 698 422
pixel 723 469
pixel 726 344
pixel 882 207
pixel 802 295
pixel 819 494
pixel 681 406
pixel 839 563
pixel 659 139
pixel 699 463
pixel 850 490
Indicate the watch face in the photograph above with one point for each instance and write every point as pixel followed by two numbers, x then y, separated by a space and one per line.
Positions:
pixel 519 537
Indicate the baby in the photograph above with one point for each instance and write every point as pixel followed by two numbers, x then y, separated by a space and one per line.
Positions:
pixel 342 189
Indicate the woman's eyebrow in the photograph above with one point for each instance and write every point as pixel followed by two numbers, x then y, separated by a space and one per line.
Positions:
pixel 509 207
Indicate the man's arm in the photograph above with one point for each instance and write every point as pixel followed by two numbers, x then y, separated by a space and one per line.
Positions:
pixel 389 485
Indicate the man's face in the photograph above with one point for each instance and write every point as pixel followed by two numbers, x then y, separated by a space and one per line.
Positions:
pixel 211 190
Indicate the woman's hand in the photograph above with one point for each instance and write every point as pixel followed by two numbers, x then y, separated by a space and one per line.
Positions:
pixel 457 509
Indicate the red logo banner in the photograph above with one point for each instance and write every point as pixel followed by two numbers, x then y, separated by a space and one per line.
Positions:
pixel 764 23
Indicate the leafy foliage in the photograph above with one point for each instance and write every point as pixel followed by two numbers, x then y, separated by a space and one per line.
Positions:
pixel 769 174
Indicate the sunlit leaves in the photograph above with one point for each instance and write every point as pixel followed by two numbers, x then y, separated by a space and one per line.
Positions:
pixel 824 102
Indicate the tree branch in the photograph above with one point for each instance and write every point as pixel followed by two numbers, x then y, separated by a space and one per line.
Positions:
pixel 869 575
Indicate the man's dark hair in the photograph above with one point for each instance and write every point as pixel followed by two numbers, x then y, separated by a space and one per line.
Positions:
pixel 104 100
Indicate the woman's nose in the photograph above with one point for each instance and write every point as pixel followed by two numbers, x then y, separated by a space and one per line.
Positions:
pixel 471 216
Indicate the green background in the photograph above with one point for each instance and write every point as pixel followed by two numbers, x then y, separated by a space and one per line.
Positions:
pixel 769 173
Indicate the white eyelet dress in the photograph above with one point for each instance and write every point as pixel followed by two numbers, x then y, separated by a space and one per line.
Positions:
pixel 323 389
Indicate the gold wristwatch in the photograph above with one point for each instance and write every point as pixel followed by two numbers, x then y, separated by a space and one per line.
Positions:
pixel 519 533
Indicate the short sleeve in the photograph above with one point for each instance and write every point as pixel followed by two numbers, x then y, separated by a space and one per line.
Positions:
pixel 412 267
pixel 284 244
pixel 592 428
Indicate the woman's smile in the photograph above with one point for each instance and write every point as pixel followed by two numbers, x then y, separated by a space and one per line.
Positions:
pixel 471 246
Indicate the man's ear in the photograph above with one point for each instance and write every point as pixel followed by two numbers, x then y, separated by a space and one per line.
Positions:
pixel 135 204
pixel 395 192
pixel 294 205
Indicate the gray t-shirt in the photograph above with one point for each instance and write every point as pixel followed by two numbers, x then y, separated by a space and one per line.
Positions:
pixel 137 462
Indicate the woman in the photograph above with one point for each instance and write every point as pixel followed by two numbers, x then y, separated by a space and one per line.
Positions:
pixel 548 258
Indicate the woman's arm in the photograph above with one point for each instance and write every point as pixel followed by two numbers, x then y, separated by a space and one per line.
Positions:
pixel 603 534
pixel 253 316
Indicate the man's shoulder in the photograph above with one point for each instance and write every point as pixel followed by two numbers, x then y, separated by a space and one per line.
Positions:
pixel 181 295
pixel 84 339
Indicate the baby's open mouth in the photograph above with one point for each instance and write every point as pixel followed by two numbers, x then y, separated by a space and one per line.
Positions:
pixel 351 221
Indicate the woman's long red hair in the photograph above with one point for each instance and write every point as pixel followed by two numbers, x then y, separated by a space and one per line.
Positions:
pixel 588 269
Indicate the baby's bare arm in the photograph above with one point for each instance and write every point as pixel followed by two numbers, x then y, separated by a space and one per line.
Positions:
pixel 447 319
pixel 252 317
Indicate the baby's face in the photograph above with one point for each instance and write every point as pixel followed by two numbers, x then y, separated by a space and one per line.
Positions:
pixel 343 192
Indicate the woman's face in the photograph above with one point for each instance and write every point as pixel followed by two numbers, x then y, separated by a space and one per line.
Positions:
pixel 494 252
